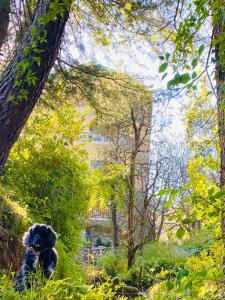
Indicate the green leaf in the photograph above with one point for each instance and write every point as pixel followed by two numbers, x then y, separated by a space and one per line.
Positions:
pixel 219 194
pixel 182 273
pixel 167 203
pixel 194 75
pixel 163 67
pixel 194 62
pixel 189 85
pixel 202 273
pixel 211 191
pixel 188 285
pixel 174 193
pixel 184 78
pixel 170 84
pixel 186 221
pixel 177 79
pixel 180 232
pixel 201 49
pixel 213 214
pixel 167 55
pixel 169 286
pixel 161 192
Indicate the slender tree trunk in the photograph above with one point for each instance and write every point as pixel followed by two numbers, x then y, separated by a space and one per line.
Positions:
pixel 158 234
pixel 14 114
pixel 131 206
pixel 115 226
pixel 142 228
pixel 4 20
pixel 220 86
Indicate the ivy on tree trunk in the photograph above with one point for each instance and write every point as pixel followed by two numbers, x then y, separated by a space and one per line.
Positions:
pixel 13 113
pixel 220 88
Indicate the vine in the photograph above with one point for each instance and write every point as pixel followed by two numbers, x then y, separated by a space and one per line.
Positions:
pixel 26 76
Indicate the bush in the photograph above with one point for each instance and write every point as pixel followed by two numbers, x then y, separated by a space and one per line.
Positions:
pixel 199 241
pixel 51 290
pixel 104 291
pixel 114 264
pixel 68 267
pixel 158 262
pixel 201 278
pixel 48 172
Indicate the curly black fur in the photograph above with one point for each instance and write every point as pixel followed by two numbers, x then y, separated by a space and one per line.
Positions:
pixel 40 252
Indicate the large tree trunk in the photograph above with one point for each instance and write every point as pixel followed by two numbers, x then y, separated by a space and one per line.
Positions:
pixel 14 114
pixel 220 86
pixel 4 20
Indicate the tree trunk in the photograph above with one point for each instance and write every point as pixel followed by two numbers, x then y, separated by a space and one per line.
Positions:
pixel 115 226
pixel 220 87
pixel 14 114
pixel 131 206
pixel 4 20
pixel 142 229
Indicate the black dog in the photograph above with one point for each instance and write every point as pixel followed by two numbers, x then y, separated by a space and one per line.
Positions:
pixel 39 241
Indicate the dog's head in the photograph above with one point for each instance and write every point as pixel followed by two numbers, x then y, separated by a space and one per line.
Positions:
pixel 40 237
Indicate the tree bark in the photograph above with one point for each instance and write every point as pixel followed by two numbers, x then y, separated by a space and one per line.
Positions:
pixel 4 20
pixel 14 114
pixel 115 226
pixel 220 88
pixel 131 206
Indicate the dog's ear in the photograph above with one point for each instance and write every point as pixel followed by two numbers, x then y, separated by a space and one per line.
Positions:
pixel 27 237
pixel 52 237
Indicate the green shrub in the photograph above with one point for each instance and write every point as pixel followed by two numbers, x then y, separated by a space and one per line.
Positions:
pixel 51 290
pixel 68 267
pixel 158 261
pixel 114 264
pixel 199 241
pixel 48 172
pixel 164 253
pixel 99 242
pixel 107 290
pixel 201 278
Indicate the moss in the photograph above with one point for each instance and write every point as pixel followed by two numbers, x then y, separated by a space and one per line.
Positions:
pixel 13 217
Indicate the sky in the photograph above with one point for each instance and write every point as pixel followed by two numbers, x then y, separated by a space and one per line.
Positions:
pixel 141 62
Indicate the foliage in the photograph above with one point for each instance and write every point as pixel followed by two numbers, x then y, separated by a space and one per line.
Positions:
pixel 47 171
pixel 201 278
pixel 156 262
pixel 13 216
pixel 61 289
pixel 32 52
pixel 107 183
pixel 113 264
pixel 68 267
pixel 104 291
pixel 52 289
pixel 198 201
pixel 189 51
